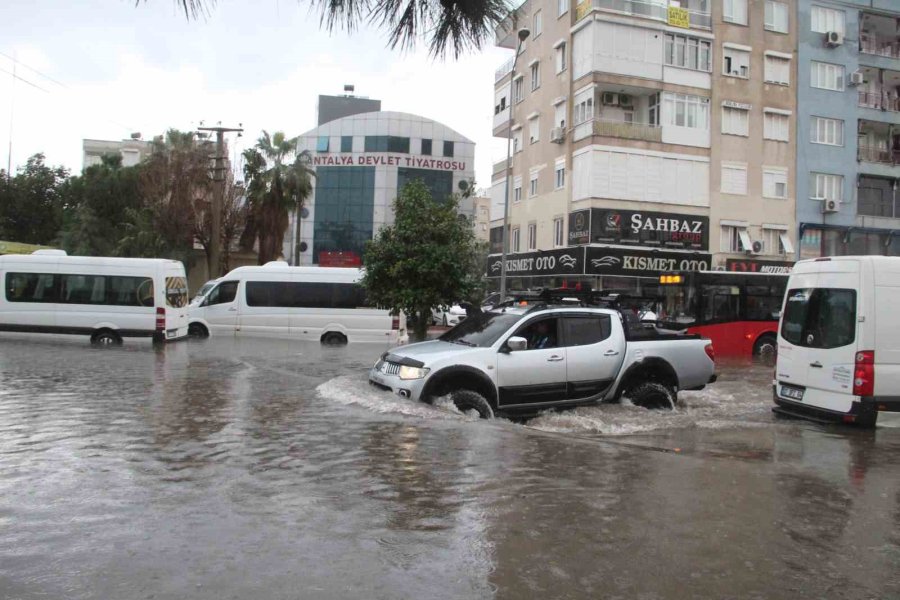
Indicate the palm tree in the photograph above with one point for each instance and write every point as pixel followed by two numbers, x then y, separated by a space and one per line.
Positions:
pixel 278 178
pixel 448 25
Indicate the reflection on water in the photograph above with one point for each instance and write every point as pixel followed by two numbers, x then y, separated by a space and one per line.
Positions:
pixel 253 468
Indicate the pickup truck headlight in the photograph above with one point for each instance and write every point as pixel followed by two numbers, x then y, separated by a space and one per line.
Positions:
pixel 412 372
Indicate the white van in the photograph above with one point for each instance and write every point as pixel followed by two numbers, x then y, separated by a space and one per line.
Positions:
pixel 839 340
pixel 307 303
pixel 106 298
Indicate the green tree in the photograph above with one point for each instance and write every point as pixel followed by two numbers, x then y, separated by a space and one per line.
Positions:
pixel 32 202
pixel 278 180
pixel 99 203
pixel 424 259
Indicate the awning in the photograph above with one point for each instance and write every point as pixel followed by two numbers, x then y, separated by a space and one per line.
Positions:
pixel 745 239
pixel 786 242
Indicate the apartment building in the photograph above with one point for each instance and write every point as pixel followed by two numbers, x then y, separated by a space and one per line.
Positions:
pixel 848 81
pixel 753 174
pixel 611 132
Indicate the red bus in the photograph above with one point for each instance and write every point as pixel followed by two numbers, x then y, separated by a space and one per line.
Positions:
pixel 739 312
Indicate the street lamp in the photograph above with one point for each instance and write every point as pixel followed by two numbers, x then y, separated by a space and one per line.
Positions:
pixel 522 35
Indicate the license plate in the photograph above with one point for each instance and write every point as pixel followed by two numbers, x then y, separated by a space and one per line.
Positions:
pixel 171 333
pixel 792 392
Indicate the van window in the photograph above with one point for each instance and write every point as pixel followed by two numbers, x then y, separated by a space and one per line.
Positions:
pixel 819 317
pixel 31 287
pixel 176 292
pixel 223 294
pixel 106 290
pixel 581 331
pixel 299 294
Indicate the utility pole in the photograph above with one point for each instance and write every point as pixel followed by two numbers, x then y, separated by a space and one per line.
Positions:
pixel 219 171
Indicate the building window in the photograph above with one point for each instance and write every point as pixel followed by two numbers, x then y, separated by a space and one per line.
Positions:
pixel 777 70
pixel 532 236
pixel 773 241
pixel 537 22
pixel 519 89
pixel 322 143
pixel 558 232
pixel 734 179
pixel 826 131
pixel 561 58
pixel 735 11
pixel 517 189
pixel 426 147
pixel 535 76
pixel 734 239
pixel 823 186
pixel 560 182
pixel 534 129
pixel 533 185
pixel 346 143
pixel 688 52
pixel 448 149
pixel 517 140
pixel 736 63
pixel 559 115
pixel 775 183
pixel 824 19
pixel 686 111
pixel 515 240
pixel 584 109
pixel 777 16
pixel 562 8
pixel 387 143
pixel 827 76
pixel 735 121
pixel 776 126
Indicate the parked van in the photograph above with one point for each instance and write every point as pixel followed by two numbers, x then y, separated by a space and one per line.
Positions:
pixel 308 303
pixel 105 298
pixel 839 340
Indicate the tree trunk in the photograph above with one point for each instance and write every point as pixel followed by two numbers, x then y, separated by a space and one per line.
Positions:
pixel 420 331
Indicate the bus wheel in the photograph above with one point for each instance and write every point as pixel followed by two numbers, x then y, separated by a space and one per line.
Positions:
pixel 197 330
pixel 106 337
pixel 334 339
pixel 766 345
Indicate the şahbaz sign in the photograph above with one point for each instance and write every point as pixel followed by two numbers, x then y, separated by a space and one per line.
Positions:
pixel 377 159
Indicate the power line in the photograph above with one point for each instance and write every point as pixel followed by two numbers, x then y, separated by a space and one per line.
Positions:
pixel 30 68
pixel 24 81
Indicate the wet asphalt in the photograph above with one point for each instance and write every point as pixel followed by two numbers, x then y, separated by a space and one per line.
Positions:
pixel 253 468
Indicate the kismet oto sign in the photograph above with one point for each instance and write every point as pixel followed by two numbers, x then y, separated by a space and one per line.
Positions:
pixel 598 260
pixel 564 261
pixel 664 230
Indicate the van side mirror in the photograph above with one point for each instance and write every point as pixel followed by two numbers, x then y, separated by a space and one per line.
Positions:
pixel 516 343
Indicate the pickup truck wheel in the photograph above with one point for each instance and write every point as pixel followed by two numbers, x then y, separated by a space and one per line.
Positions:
pixel 651 394
pixel 466 400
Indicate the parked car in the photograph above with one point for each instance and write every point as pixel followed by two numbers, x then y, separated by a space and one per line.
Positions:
pixel 525 359
pixel 839 340
pixel 448 316
pixel 203 291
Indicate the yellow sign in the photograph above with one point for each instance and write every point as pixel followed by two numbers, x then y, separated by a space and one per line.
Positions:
pixel 679 17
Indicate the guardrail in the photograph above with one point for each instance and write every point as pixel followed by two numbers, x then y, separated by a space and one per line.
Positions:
pixel 880 47
pixel 879 101
pixel 504 70
pixel 625 130
pixel 878 155
pixel 651 9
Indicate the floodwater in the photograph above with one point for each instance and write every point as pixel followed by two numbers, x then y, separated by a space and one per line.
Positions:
pixel 270 469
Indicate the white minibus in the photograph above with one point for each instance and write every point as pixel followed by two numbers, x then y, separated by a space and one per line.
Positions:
pixel 839 340
pixel 307 303
pixel 105 298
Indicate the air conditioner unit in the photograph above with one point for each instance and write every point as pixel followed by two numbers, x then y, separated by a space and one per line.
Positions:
pixel 609 99
pixel 857 78
pixel 834 38
pixel 757 247
pixel 626 101
pixel 558 135
pixel 830 206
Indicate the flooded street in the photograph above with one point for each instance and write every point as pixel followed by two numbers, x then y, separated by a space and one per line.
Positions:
pixel 259 468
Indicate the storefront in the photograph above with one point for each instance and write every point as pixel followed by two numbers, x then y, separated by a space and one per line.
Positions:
pixel 769 267
pixel 829 240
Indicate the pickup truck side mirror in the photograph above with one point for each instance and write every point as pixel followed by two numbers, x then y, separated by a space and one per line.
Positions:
pixel 516 343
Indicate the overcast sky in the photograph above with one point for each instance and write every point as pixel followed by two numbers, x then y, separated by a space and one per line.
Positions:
pixel 108 68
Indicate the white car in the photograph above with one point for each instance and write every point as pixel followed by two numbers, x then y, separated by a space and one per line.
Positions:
pixel 448 316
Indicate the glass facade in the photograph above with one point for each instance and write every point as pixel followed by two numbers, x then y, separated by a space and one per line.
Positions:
pixel 426 147
pixel 387 143
pixel 346 143
pixel 439 183
pixel 345 198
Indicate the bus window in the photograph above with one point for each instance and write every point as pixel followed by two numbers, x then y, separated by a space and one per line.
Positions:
pixel 763 303
pixel 720 303
pixel 679 307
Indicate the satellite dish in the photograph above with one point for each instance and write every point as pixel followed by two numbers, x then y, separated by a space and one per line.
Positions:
pixel 304 213
pixel 303 246
pixel 463 185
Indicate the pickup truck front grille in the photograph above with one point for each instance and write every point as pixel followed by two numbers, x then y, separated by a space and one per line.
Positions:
pixel 390 368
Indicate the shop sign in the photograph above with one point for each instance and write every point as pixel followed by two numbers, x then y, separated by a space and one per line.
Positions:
pixel 642 263
pixel 647 228
pixel 580 227
pixel 758 266
pixel 339 258
pixel 679 17
pixel 377 159
pixel 562 261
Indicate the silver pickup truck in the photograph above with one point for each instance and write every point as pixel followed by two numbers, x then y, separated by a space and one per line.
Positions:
pixel 523 360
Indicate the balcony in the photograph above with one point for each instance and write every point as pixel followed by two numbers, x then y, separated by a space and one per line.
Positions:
pixel 619 129
pixel 888 101
pixel 658 10
pixel 878 36
pixel 501 122
pixel 877 197
pixel 504 70
pixel 878 154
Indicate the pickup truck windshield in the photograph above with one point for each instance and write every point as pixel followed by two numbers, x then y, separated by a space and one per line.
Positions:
pixel 481 329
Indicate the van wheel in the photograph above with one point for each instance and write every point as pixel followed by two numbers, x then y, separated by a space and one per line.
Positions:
pixel 766 345
pixel 334 339
pixel 105 337
pixel 466 400
pixel 197 330
pixel 651 394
